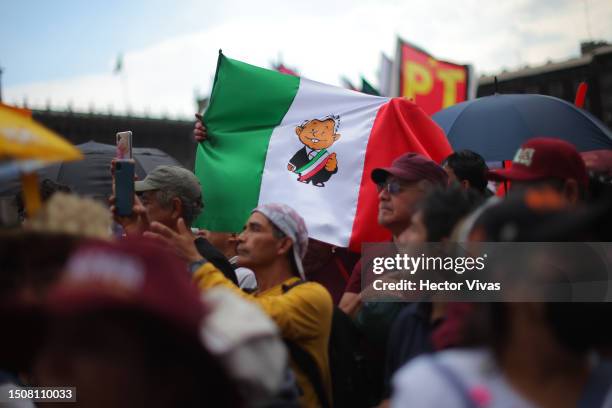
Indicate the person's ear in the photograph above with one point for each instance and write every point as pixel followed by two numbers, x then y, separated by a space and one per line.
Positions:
pixel 465 184
pixel 284 245
pixel 336 136
pixel 571 191
pixel 298 130
pixel 177 208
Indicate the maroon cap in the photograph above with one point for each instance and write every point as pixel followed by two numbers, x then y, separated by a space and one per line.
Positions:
pixel 412 167
pixel 544 158
pixel 135 274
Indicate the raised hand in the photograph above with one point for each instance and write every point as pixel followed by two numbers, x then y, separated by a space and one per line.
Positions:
pixel 134 224
pixel 199 130
pixel 181 240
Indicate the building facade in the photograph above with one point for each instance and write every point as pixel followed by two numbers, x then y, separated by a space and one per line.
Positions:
pixel 561 80
pixel 172 136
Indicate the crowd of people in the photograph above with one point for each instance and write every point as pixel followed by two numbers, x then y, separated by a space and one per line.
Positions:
pixel 144 310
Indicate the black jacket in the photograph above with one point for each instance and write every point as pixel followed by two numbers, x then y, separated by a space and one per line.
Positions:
pixel 215 257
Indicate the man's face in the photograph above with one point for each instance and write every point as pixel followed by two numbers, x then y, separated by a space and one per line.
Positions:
pixel 257 245
pixel 452 177
pixel 317 135
pixel 396 201
pixel 569 189
pixel 156 211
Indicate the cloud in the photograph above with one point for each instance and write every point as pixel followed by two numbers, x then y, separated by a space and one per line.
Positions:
pixel 324 43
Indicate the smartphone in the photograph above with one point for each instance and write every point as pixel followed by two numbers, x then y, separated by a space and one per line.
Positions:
pixel 124 187
pixel 124 145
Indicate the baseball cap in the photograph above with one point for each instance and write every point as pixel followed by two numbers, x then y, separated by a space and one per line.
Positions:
pixel 544 158
pixel 135 274
pixel 412 167
pixel 175 178
pixel 292 225
pixel 141 275
pixel 129 275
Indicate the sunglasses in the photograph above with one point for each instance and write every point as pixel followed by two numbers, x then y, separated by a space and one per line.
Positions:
pixel 394 187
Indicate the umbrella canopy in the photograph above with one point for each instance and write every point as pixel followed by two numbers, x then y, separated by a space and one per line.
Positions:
pixel 495 126
pixel 91 176
pixel 22 138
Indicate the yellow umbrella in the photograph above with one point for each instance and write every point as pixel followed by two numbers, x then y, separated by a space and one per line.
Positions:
pixel 22 138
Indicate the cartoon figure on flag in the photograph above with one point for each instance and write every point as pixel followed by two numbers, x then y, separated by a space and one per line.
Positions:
pixel 313 163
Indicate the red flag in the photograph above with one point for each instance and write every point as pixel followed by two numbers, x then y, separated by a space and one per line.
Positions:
pixel 433 84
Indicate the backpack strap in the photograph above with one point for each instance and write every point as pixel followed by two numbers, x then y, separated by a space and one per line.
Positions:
pixel 597 387
pixel 307 364
pixel 455 381
pixel 305 361
pixel 287 288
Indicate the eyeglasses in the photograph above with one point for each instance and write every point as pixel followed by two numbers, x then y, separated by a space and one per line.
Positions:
pixel 394 187
pixel 146 197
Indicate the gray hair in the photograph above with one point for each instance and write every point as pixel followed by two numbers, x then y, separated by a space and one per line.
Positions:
pixel 191 208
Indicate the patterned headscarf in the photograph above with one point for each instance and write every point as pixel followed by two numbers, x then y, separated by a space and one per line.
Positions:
pixel 292 225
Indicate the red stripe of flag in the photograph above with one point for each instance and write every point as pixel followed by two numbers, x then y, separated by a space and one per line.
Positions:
pixel 400 126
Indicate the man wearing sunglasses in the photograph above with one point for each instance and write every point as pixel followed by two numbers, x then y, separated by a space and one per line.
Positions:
pixel 400 187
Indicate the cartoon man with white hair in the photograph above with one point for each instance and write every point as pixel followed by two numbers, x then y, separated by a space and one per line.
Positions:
pixel 313 163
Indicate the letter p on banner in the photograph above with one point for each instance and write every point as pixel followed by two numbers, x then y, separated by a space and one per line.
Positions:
pixel 433 84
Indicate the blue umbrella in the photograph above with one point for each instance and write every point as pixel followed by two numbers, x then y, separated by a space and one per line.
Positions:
pixel 495 126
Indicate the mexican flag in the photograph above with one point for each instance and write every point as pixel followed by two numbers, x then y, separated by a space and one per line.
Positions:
pixel 279 138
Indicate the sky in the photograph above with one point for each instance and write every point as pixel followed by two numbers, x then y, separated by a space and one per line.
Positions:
pixel 62 54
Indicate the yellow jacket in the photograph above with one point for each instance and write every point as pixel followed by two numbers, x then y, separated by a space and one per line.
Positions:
pixel 303 314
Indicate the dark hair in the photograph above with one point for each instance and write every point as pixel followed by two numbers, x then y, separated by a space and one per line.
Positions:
pixel 470 166
pixel 280 235
pixel 444 208
pixel 577 326
pixel 600 187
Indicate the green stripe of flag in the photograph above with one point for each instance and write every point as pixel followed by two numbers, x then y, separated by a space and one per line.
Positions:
pixel 246 104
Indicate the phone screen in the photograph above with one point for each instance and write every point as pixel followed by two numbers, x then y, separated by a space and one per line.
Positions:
pixel 124 145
